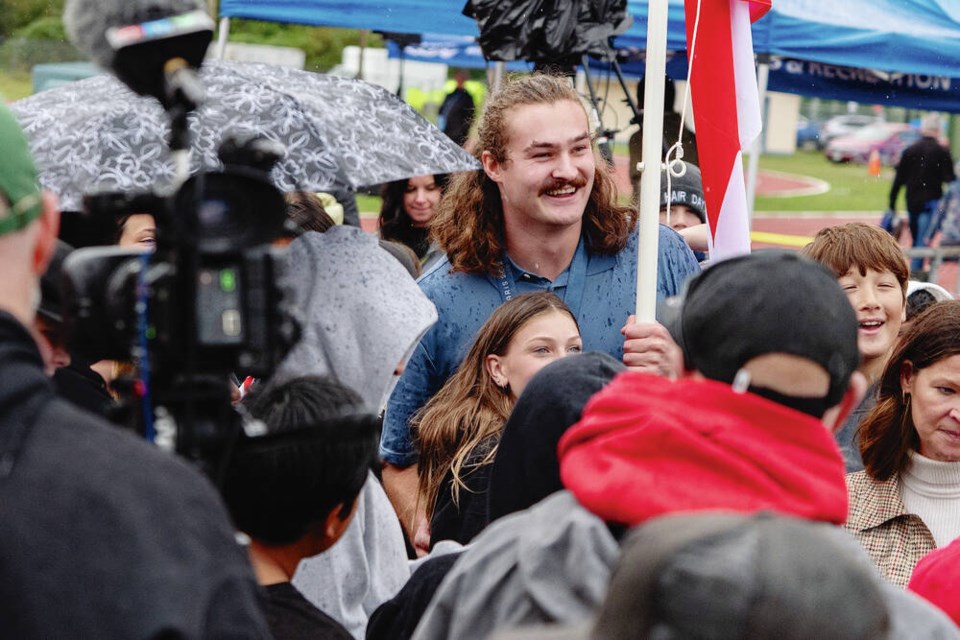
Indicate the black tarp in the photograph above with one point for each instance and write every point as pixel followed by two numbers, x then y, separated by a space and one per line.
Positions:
pixel 555 31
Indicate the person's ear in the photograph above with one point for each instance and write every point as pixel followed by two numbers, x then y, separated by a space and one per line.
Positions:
pixel 836 415
pixel 334 526
pixel 907 375
pixel 496 370
pixel 49 227
pixel 491 166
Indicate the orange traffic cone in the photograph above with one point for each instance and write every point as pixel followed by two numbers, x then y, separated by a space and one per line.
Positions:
pixel 873 164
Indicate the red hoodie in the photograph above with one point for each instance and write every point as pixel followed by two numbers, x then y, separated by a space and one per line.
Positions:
pixel 647 446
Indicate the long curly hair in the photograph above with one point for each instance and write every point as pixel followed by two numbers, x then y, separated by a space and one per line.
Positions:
pixel 395 222
pixel 469 223
pixel 887 434
pixel 471 408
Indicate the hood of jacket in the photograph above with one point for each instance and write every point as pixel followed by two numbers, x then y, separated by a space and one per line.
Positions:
pixel 549 563
pixel 648 446
pixel 362 313
pixel 526 469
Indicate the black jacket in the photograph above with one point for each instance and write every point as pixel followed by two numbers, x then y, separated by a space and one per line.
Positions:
pixel 457 111
pixel 924 167
pixel 102 535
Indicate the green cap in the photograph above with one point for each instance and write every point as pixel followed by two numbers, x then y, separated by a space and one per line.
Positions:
pixel 18 177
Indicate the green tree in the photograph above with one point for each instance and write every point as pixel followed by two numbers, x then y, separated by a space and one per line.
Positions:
pixel 323 45
pixel 16 14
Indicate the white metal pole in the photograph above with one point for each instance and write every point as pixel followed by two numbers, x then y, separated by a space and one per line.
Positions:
pixel 222 35
pixel 753 164
pixel 364 35
pixel 648 247
pixel 498 72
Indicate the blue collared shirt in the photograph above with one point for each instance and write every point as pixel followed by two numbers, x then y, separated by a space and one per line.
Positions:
pixel 606 296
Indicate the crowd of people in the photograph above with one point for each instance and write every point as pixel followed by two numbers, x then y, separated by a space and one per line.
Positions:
pixel 473 437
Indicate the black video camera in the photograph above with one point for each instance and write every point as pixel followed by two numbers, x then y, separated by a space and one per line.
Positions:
pixel 207 303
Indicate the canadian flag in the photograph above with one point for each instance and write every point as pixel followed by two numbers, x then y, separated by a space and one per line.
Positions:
pixel 726 110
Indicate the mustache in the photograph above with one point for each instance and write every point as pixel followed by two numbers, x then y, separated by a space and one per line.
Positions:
pixel 578 183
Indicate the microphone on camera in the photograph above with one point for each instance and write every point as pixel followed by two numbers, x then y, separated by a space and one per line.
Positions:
pixel 153 46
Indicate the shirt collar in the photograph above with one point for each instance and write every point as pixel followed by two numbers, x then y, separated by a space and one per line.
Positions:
pixel 596 263
pixel 879 503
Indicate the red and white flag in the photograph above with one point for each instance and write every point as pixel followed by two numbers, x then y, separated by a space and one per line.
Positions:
pixel 726 110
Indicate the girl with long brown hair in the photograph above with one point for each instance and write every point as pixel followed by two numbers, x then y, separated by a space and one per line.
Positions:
pixel 458 430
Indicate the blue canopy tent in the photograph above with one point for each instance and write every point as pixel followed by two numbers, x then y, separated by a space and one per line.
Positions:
pixel 455 51
pixel 895 52
pixel 822 48
pixel 905 36
pixel 787 75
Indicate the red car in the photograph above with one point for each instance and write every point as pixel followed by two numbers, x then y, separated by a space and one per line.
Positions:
pixel 889 139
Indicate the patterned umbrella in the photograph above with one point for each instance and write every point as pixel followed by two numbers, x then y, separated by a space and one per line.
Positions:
pixel 97 135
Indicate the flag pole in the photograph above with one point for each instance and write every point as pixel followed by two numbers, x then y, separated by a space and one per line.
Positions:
pixel 651 152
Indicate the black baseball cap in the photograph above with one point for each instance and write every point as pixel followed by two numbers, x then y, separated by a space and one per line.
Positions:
pixel 769 301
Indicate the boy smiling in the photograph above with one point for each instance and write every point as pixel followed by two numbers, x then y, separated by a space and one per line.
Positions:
pixel 872 270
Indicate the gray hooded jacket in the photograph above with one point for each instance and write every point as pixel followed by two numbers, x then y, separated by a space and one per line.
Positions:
pixel 363 315
pixel 552 563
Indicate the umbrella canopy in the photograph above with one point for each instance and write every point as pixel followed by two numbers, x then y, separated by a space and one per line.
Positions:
pixel 97 135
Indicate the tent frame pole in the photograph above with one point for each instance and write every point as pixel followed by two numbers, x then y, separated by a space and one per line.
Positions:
pixel 756 148
pixel 222 34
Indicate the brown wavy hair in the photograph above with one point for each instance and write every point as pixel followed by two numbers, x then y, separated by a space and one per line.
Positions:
pixel 470 408
pixel 887 434
pixel 469 223
pixel 859 245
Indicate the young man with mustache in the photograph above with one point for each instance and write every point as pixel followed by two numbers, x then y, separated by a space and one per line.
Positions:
pixel 541 215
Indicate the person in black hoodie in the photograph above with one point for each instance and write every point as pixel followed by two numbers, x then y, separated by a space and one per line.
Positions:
pixel 923 169
pixel 456 113
pixel 102 535
pixel 526 469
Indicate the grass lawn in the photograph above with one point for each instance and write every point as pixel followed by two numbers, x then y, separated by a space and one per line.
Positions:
pixel 851 187
pixel 369 206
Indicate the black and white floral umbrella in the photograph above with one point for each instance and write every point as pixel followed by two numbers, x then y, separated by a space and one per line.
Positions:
pixel 97 135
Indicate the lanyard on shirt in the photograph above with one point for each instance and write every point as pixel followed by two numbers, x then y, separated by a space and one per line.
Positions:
pixel 576 281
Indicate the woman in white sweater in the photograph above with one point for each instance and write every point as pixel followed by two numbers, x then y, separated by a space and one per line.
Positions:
pixel 906 502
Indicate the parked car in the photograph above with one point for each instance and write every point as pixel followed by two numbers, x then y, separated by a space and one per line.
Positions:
pixel 887 138
pixel 857 146
pixel 808 133
pixel 844 125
